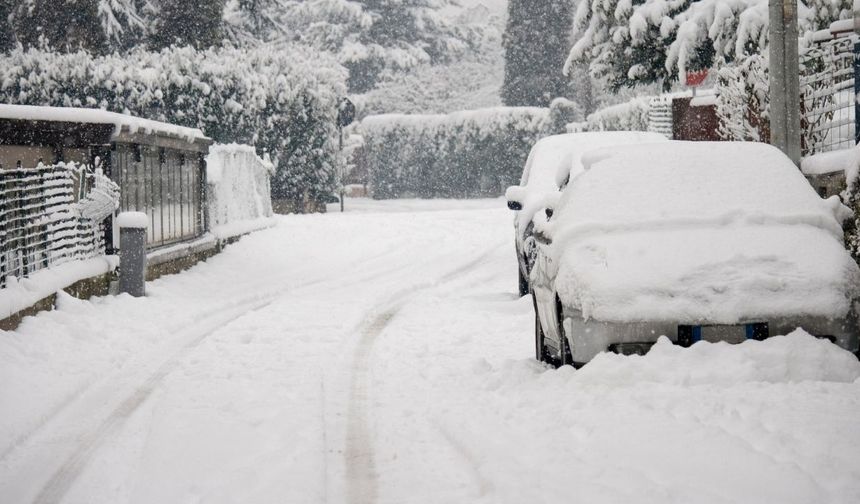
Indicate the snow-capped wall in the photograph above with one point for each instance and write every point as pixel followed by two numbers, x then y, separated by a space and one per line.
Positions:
pixel 464 154
pixel 240 198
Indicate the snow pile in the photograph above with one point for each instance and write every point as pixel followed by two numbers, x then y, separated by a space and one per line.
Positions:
pixel 796 357
pixel 122 122
pixel 846 161
pixel 699 232
pixel 22 293
pixel 465 153
pixel 240 198
pixel 132 220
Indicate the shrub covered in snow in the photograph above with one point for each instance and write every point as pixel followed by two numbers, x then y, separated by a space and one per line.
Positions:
pixel 464 154
pixel 629 116
pixel 283 102
pixel 743 100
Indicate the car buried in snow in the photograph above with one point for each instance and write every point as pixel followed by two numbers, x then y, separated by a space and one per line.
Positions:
pixel 715 241
pixel 551 163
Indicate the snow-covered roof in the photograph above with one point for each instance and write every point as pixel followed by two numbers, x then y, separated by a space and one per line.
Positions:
pixel 712 231
pixel 121 122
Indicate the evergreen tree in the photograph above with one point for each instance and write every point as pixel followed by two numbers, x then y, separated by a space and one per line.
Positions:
pixel 630 43
pixel 66 25
pixel 536 45
pixel 7 35
pixel 182 23
pixel 125 22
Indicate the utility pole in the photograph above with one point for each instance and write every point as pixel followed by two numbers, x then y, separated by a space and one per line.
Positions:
pixel 857 72
pixel 784 78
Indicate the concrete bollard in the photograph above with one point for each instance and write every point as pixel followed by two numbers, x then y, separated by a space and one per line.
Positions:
pixel 132 252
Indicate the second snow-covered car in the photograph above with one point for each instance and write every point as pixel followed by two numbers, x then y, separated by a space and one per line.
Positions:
pixel 695 241
pixel 551 163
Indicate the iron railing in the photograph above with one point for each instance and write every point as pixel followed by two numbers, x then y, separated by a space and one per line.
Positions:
pixel 41 222
pixel 827 96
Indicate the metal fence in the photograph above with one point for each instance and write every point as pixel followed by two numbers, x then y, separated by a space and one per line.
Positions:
pixel 51 215
pixel 827 96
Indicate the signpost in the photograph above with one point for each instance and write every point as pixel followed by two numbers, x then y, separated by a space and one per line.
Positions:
pixel 695 79
pixel 345 117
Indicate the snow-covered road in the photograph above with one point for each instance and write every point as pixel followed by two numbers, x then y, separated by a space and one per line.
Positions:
pixel 382 356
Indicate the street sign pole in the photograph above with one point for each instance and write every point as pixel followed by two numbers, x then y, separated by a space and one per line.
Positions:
pixel 342 164
pixel 784 78
pixel 345 117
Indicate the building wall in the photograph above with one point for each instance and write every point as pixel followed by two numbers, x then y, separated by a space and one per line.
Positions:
pixel 699 123
pixel 28 155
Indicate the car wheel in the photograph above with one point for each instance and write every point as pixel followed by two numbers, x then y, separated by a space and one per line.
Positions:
pixel 540 349
pixel 566 354
pixel 524 282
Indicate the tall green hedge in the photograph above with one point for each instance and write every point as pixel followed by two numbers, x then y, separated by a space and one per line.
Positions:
pixel 460 155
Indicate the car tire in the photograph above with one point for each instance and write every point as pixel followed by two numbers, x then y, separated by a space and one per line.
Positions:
pixel 524 282
pixel 540 351
pixel 566 354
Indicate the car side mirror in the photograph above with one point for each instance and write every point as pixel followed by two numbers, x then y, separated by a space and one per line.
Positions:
pixel 542 237
pixel 515 196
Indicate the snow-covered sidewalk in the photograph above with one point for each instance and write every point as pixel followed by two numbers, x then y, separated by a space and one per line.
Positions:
pixel 381 356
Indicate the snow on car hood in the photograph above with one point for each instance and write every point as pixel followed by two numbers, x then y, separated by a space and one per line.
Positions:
pixel 719 275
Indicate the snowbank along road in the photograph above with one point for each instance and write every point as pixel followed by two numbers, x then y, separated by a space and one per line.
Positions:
pixel 381 356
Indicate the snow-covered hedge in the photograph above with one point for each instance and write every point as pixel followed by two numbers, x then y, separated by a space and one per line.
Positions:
pixel 464 154
pixel 240 198
pixel 283 101
pixel 628 116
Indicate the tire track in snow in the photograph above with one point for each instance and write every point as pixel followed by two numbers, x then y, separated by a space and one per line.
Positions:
pixel 362 479
pixel 69 402
pixel 63 478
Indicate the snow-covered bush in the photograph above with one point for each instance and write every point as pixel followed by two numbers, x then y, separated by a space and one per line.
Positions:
pixel 629 116
pixel 464 154
pixel 283 102
pixel 742 100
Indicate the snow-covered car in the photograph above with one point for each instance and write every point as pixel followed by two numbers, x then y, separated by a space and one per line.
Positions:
pixel 692 240
pixel 551 163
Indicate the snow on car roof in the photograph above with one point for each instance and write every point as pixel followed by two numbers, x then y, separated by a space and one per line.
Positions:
pixel 688 183
pixel 554 158
pixel 700 231
pixel 97 116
